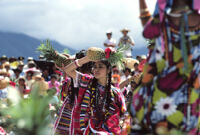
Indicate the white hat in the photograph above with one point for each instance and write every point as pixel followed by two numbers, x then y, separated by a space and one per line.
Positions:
pixel 108 32
pixel 125 29
pixel 30 58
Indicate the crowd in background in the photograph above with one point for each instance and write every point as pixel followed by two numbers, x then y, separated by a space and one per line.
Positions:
pixel 23 73
pixel 167 97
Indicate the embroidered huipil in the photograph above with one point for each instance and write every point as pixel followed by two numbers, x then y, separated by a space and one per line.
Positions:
pixel 170 92
pixel 82 122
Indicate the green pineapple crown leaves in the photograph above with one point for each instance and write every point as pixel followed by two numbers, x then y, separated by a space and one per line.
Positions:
pixel 47 50
pixel 117 57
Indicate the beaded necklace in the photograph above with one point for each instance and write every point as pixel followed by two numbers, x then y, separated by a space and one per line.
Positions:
pixel 99 99
pixel 98 105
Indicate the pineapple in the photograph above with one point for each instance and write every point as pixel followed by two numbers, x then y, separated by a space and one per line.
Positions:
pixel 49 52
pixel 95 53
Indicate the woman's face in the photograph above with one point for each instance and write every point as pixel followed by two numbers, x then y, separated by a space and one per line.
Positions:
pixel 100 70
pixel 21 82
pixel 53 79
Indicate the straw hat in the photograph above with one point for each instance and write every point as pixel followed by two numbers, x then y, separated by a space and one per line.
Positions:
pixel 129 62
pixel 137 78
pixel 4 57
pixel 125 29
pixel 3 72
pixel 38 77
pixel 6 64
pixel 4 81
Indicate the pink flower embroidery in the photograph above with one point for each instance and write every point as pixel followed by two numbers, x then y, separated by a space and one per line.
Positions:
pixel 137 101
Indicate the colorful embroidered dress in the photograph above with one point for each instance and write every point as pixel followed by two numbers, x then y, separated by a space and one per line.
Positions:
pixel 169 95
pixel 62 124
pixel 83 120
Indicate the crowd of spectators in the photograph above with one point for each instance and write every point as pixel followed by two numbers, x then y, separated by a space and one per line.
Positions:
pixel 25 74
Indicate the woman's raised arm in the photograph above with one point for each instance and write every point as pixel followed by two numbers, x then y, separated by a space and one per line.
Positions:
pixel 145 15
pixel 71 68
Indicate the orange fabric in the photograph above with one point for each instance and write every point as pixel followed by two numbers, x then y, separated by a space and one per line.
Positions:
pixel 196 83
pixel 147 77
pixel 116 76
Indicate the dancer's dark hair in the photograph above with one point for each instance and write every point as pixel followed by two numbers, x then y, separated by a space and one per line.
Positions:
pixel 107 91
pixel 85 68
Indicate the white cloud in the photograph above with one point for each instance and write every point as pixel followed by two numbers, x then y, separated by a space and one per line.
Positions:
pixel 76 23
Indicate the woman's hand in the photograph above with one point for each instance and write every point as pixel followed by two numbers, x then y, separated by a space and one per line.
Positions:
pixel 67 57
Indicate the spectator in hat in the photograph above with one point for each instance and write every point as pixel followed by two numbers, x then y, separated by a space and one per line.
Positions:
pixel 3 59
pixel 31 64
pixel 115 78
pixel 21 86
pixel 127 74
pixel 4 73
pixel 41 57
pixel 139 58
pixel 29 59
pixel 109 42
pixel 136 69
pixel 17 73
pixel 6 66
pixel 126 40
pixel 53 83
pixel 45 75
pixel 4 82
pixel 13 62
pixel 12 59
pixel 142 62
pixel 29 78
pixel 21 67
pixel 59 75
pixel 40 84
pixel 21 58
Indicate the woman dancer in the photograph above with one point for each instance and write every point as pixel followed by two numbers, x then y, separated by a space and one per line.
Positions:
pixel 99 106
pixel 69 93
pixel 169 95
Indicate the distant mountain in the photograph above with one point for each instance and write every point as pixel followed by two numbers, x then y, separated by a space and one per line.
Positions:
pixel 15 44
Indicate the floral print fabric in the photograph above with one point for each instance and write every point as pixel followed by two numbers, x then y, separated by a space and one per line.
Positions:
pixel 168 93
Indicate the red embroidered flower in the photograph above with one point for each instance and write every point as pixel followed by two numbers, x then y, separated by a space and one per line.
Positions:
pixel 108 51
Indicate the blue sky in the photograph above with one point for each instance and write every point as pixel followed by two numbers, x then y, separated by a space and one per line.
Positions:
pixel 76 23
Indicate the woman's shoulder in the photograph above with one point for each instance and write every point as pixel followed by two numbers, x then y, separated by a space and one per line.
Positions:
pixel 83 79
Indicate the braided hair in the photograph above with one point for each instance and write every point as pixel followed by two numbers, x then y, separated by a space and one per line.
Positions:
pixel 94 83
